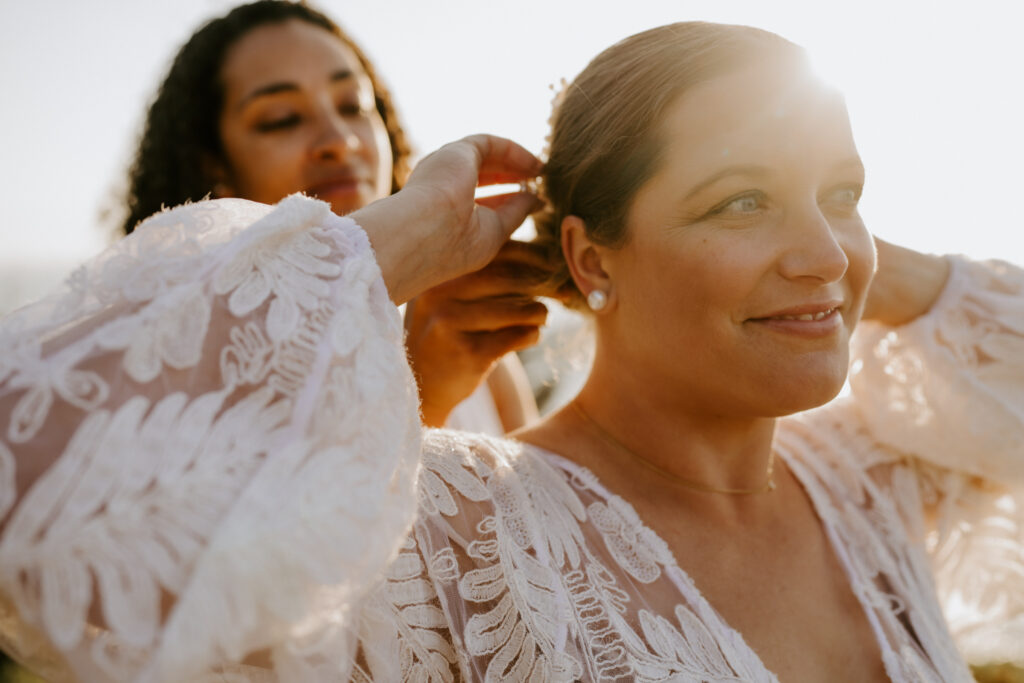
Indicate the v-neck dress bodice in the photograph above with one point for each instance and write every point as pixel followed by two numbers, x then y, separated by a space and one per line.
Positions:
pixel 547 573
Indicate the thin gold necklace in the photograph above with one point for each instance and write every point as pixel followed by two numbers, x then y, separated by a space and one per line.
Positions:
pixel 769 484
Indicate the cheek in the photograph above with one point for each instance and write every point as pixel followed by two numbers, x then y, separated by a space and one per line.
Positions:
pixel 729 271
pixel 678 290
pixel 267 169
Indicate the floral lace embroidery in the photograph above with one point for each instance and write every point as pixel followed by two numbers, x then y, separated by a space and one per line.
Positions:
pixel 637 549
pixel 287 267
pixel 210 375
pixel 549 607
pixel 540 599
pixel 403 619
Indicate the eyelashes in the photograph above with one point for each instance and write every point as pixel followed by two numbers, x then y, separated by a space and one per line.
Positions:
pixel 742 204
pixel 751 202
pixel 283 123
pixel 347 110
pixel 843 199
pixel 847 194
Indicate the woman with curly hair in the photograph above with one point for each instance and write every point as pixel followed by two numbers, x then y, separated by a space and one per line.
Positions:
pixel 274 98
pixel 189 149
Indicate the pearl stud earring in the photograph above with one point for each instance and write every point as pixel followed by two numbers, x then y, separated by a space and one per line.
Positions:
pixel 597 300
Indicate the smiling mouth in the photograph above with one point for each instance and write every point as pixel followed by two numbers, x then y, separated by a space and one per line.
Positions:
pixel 803 317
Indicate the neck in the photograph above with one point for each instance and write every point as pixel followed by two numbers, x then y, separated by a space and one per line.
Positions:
pixel 678 434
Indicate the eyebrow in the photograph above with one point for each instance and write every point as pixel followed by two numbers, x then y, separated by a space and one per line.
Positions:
pixel 289 86
pixel 744 170
pixel 753 170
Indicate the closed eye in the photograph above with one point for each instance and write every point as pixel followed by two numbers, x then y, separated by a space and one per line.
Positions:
pixel 282 123
pixel 351 109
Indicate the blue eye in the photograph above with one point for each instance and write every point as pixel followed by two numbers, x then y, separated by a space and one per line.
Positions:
pixel 847 196
pixel 747 203
pixel 744 204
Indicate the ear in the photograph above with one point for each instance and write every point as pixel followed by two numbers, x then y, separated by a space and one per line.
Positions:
pixel 585 259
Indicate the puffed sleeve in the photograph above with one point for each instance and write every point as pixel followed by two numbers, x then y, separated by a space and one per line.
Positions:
pixel 209 441
pixel 943 396
pixel 949 386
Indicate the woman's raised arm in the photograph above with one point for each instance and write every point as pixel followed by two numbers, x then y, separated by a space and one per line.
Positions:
pixel 906 284
pixel 209 438
pixel 942 397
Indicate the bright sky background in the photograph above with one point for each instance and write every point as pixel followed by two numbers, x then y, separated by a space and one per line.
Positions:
pixel 934 88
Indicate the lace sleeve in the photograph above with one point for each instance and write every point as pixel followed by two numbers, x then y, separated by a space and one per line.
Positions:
pixel 949 387
pixel 209 445
pixel 942 398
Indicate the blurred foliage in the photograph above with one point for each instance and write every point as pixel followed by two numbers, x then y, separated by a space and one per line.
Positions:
pixel 998 673
pixel 12 673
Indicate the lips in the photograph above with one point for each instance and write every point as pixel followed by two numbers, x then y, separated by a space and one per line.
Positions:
pixel 803 317
pixel 807 312
pixel 338 184
pixel 810 321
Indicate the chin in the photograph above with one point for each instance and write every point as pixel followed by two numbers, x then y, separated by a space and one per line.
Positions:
pixel 812 392
pixel 809 385
pixel 346 200
pixel 345 206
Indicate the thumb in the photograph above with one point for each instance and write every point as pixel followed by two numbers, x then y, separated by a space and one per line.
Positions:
pixel 507 211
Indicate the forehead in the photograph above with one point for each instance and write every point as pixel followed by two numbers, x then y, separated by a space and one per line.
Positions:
pixel 764 113
pixel 293 51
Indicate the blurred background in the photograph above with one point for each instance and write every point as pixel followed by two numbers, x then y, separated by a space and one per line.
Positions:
pixel 933 88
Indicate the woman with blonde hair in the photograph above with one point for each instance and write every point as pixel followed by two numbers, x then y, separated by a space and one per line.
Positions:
pixel 258 496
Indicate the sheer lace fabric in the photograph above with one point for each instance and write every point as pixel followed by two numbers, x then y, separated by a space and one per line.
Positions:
pixel 943 401
pixel 192 478
pixel 211 449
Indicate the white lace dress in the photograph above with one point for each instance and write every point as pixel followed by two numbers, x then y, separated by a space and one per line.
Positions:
pixel 211 468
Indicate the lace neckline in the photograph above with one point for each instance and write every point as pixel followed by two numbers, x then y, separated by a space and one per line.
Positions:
pixel 688 589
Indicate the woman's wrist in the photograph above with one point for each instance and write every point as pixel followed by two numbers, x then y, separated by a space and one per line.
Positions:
pixel 906 284
pixel 398 227
pixel 434 229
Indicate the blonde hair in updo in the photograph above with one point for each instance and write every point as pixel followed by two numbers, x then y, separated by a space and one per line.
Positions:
pixel 605 141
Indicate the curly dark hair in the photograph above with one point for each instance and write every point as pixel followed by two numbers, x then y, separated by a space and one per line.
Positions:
pixel 171 165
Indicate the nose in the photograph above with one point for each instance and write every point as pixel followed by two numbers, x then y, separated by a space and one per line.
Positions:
pixel 335 139
pixel 814 249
